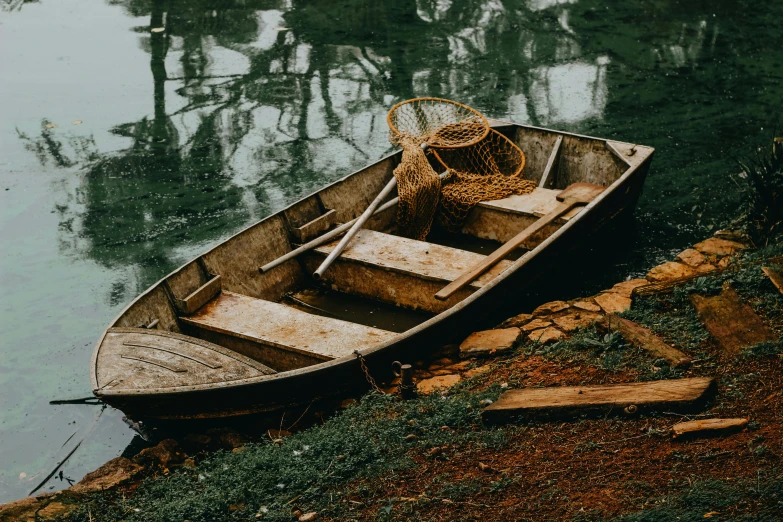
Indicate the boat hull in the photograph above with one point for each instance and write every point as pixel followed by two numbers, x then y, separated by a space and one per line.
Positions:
pixel 344 377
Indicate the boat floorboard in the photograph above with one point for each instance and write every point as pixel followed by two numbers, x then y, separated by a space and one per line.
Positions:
pixel 283 327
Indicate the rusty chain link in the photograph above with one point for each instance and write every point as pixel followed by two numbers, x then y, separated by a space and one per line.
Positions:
pixel 367 372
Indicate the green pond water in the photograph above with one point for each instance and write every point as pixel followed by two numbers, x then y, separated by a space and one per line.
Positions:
pixel 134 134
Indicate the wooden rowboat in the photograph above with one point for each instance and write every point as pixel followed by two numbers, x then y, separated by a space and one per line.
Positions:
pixel 218 337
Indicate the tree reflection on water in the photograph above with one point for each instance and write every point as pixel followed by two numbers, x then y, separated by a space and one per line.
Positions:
pixel 258 102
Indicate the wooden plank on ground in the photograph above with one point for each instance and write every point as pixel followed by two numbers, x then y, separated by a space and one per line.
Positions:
pixel 707 427
pixel 775 276
pixel 730 321
pixel 645 339
pixel 571 401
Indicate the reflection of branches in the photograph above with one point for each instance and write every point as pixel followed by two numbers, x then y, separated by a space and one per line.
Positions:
pixel 15 5
pixel 46 147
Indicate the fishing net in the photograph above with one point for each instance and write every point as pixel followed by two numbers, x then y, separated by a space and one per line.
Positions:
pixel 485 171
pixel 483 164
pixel 433 122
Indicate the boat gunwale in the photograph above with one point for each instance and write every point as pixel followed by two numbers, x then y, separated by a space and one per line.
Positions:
pixel 314 369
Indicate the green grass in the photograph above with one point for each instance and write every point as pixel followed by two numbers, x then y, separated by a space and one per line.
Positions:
pixel 313 466
pixel 764 497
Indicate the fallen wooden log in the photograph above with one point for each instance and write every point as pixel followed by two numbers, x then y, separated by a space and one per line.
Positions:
pixel 645 339
pixel 707 427
pixel 731 322
pixel 572 401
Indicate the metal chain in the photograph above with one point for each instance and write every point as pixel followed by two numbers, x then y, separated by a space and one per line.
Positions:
pixel 367 372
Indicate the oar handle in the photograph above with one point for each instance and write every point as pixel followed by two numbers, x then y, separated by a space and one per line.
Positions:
pixel 367 214
pixel 335 253
pixel 508 247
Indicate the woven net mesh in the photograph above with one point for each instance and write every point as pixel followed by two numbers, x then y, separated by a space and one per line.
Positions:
pixel 436 123
pixel 483 165
pixel 488 170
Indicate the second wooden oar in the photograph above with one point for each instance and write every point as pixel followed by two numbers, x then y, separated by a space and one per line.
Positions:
pixel 336 251
pixel 573 196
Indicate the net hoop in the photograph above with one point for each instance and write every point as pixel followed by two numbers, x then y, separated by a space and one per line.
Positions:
pixel 456 126
pixel 506 168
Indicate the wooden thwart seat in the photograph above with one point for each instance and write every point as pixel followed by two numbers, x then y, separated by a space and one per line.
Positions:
pixel 278 335
pixel 398 270
pixel 502 219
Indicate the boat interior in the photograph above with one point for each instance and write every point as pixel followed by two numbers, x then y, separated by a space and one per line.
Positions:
pixel 218 318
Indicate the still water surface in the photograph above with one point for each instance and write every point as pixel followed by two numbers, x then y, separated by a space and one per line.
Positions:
pixel 136 133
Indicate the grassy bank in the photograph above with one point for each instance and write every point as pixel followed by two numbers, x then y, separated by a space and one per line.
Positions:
pixel 433 459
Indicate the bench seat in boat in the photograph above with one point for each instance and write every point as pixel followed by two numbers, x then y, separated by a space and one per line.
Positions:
pixel 502 219
pixel 399 270
pixel 278 335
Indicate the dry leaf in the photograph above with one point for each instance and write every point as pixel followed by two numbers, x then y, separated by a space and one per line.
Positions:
pixel 158 29
pixel 76 122
pixel 51 125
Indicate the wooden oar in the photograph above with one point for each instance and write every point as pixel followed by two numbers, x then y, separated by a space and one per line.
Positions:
pixel 573 196
pixel 320 240
pixel 335 253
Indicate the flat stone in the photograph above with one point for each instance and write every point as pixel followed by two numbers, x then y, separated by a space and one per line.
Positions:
pixel 612 303
pixel 626 288
pixel 707 267
pixel 550 308
pixel 536 324
pixel 724 263
pixel 458 367
pixel 586 305
pixel 574 320
pixel 545 335
pixel 489 341
pixel 54 510
pixel 719 247
pixel 436 383
pixel 691 257
pixel 477 371
pixel 669 271
pixel 115 472
pixel 517 320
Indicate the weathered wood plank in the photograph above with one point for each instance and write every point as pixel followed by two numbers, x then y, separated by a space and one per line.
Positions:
pixel 645 339
pixel 545 177
pixel 731 322
pixel 570 401
pixel 774 276
pixel 315 227
pixel 283 327
pixel 707 427
pixel 200 296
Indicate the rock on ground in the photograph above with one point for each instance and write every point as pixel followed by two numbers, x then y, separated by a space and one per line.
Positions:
pixel 612 303
pixel 488 342
pixel 111 474
pixel 545 335
pixel 669 271
pixel 435 383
